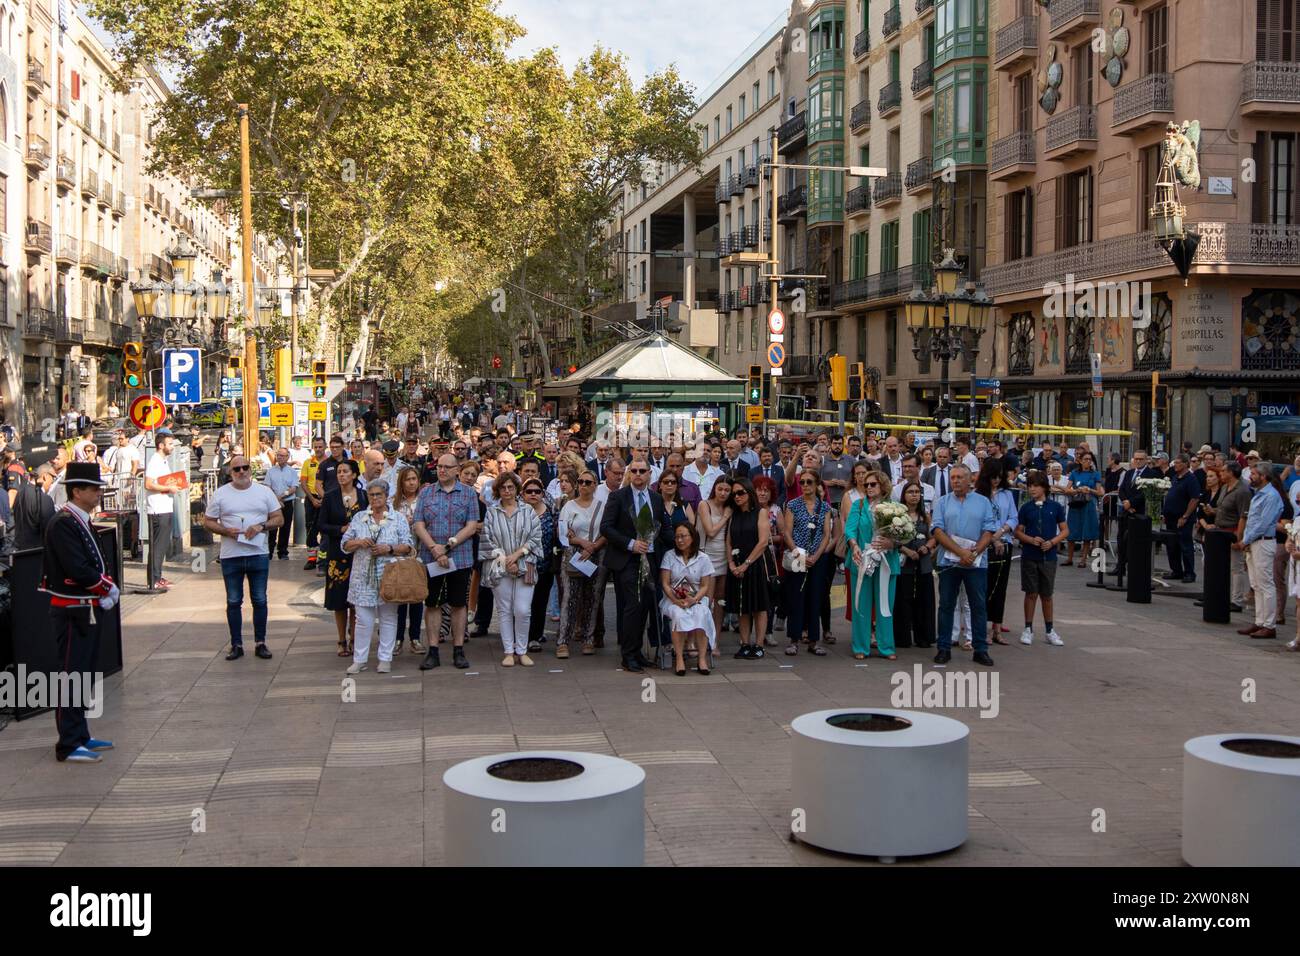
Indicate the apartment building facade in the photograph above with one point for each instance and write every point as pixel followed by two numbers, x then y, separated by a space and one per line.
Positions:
pixel 1075 157
pixel 82 219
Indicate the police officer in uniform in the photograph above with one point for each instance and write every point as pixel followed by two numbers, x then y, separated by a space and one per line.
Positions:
pixel 76 578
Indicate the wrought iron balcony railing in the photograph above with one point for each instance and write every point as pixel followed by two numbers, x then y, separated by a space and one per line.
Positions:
pixel 1153 93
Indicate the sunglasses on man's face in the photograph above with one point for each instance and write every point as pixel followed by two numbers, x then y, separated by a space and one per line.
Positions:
pixel 239 468
pixel 586 481
pixel 806 481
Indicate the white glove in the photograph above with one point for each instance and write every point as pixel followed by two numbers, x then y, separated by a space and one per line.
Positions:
pixel 106 603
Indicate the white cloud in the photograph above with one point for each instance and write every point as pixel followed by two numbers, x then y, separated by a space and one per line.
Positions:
pixel 701 36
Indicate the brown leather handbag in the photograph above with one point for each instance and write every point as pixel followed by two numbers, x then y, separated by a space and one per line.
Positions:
pixel 404 582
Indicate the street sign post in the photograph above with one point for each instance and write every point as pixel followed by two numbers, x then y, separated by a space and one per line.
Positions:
pixel 318 412
pixel 1096 375
pixel 231 387
pixel 265 398
pixel 776 355
pixel 182 376
pixel 754 414
pixel 776 322
pixel 281 414
pixel 147 412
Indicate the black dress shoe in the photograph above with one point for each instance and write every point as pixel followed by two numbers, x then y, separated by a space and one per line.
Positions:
pixel 633 665
pixel 1189 579
pixel 261 651
pixel 236 652
pixel 458 658
pixel 943 657
pixel 1172 576
pixel 982 657
pixel 430 660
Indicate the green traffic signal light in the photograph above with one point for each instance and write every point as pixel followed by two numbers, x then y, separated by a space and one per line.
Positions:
pixel 755 396
pixel 133 381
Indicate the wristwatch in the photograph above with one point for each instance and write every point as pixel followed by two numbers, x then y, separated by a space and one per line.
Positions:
pixel 451 542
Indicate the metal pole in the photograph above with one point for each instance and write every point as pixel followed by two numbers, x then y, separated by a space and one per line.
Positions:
pixel 250 316
pixel 943 369
pixel 971 404
pixel 774 256
pixel 293 300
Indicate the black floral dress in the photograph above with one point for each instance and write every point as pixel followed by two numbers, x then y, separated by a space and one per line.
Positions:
pixel 335 516
pixel 748 594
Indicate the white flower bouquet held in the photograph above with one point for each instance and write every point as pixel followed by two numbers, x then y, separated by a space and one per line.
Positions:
pixel 893 522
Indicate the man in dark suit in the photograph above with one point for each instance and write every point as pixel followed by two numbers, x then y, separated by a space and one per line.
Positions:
pixel 1132 503
pixel 622 556
pixel 936 475
pixel 732 464
pixel 772 469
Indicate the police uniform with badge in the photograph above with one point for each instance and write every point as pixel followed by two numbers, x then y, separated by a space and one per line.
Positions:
pixel 77 580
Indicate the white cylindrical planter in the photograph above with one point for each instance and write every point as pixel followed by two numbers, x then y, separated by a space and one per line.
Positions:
pixel 1241 800
pixel 896 787
pixel 544 808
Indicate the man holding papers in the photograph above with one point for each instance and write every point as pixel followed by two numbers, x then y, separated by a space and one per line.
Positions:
pixel 446 520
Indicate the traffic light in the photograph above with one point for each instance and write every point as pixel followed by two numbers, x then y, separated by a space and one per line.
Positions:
pixel 236 366
pixel 755 393
pixel 318 377
pixel 839 378
pixel 133 364
pixel 857 381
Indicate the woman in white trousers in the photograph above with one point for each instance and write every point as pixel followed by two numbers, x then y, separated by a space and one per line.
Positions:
pixel 376 538
pixel 512 536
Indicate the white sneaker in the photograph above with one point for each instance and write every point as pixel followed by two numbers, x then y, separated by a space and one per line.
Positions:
pixel 384 667
pixel 1027 636
pixel 356 668
pixel 1054 639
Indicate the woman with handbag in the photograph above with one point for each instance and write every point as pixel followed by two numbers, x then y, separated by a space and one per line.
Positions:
pixel 686 577
pixel 807 534
pixel 511 550
pixel 579 535
pixel 765 495
pixel 410 617
pixel 337 510
pixel 914 614
pixel 747 541
pixel 535 497
pixel 990 484
pixel 860 532
pixel 376 539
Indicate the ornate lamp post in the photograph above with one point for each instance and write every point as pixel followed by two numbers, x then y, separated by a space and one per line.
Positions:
pixel 946 322
pixel 174 311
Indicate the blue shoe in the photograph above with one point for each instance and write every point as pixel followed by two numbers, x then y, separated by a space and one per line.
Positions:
pixel 93 744
pixel 82 755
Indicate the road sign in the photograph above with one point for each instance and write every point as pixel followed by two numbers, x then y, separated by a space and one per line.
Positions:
pixel 776 322
pixel 147 412
pixel 231 386
pixel 776 371
pixel 318 412
pixel 264 399
pixel 754 414
pixel 1096 375
pixel 989 384
pixel 281 413
pixel 182 376
pixel 776 355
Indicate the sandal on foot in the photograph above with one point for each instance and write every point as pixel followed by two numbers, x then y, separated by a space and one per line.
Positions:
pixel 859 657
pixel 818 650
pixel 965 645
pixel 344 650
pixel 792 649
pixel 998 639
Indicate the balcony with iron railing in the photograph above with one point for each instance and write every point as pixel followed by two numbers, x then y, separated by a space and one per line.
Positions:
pixel 97 331
pixel 35 76
pixel 922 78
pixel 104 197
pixel 65 172
pixel 793 205
pixel 892 21
pixel 724 247
pixel 65 101
pixel 160 268
pixel 1072 132
pixel 888 189
pixel 90 185
pixel 737 240
pixel 924 7
pixel 749 237
pixel 890 99
pixel 69 251
pixel 1016 43
pixel 857 200
pixel 793 132
pixel 1073 18
pixel 121 334
pixel 860 116
pixel 802 366
pixel 749 176
pixel 121 269
pixel 38 151
pixel 1145 102
pixel 736 186
pixel 39 323
pixel 1270 87
pixel 40 238
pixel 117 142
pixel 69 330
pixel 1012 156
pixel 917 179
pixel 861 44
pixel 892 283
pixel 119 203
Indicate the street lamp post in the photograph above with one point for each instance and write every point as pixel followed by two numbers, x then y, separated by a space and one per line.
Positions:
pixel 947 322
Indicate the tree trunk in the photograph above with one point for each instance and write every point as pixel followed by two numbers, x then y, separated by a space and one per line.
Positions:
pixel 368 239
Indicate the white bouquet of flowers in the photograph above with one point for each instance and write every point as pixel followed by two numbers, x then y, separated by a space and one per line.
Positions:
pixel 890 520
pixel 1153 490
pixel 893 522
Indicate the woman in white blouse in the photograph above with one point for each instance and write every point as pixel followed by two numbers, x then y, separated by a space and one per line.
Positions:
pixel 687 578
pixel 512 538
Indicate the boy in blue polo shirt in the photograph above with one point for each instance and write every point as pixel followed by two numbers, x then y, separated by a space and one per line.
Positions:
pixel 1042 527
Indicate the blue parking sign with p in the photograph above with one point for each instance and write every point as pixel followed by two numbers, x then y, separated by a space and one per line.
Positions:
pixel 265 398
pixel 182 376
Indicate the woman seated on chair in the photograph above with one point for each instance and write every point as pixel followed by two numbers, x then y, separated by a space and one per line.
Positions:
pixel 687 578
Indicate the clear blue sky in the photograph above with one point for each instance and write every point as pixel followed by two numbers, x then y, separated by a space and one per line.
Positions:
pixel 701 36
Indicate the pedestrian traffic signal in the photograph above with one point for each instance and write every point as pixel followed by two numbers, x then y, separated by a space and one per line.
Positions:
pixel 236 365
pixel 857 381
pixel 755 385
pixel 318 375
pixel 133 364
pixel 839 378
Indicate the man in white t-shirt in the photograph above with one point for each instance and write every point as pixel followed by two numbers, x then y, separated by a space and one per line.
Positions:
pixel 159 505
pixel 123 461
pixel 299 453
pixel 241 513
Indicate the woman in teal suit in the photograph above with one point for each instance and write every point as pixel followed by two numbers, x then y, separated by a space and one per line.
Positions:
pixel 860 531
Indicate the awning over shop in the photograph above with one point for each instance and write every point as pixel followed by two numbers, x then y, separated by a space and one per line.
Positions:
pixel 652 368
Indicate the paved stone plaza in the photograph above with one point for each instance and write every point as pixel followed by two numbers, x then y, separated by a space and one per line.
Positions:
pixel 287 773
